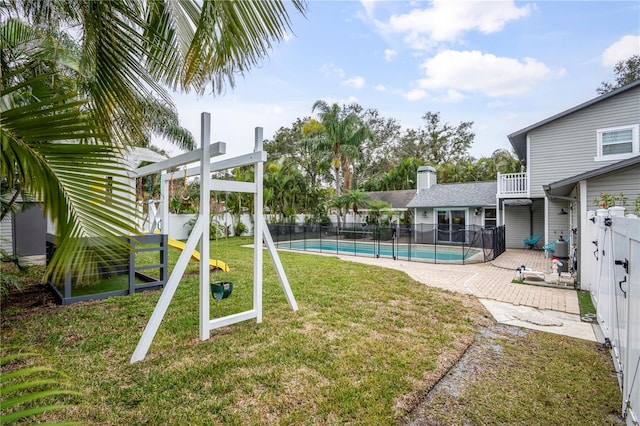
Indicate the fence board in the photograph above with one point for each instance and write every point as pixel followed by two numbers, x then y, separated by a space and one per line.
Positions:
pixel 615 294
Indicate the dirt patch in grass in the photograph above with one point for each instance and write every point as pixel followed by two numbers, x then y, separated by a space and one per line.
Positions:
pixel 33 295
pixel 509 376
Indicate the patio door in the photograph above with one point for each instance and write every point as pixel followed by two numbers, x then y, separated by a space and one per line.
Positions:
pixel 451 225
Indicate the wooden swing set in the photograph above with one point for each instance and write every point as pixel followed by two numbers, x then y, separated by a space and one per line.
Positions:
pixel 200 232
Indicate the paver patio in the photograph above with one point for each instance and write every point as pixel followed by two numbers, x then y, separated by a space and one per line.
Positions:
pixel 492 280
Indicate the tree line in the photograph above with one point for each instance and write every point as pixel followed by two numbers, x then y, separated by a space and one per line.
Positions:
pixel 333 160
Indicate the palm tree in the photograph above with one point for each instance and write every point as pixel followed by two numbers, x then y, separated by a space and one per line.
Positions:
pixel 286 185
pixel 342 135
pixel 70 105
pixel 376 206
pixel 340 203
pixel 356 199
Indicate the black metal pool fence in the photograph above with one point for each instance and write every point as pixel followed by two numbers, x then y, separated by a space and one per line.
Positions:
pixel 421 242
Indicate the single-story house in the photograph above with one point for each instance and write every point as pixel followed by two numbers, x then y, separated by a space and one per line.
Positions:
pixel 452 206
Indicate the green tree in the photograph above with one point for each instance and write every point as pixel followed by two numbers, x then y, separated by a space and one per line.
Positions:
pixel 402 176
pixel 376 207
pixel 437 143
pixel 72 101
pixel 356 199
pixel 341 204
pixel 482 169
pixel 241 202
pixel 342 135
pixel 285 140
pixel 375 155
pixel 285 186
pixel 627 72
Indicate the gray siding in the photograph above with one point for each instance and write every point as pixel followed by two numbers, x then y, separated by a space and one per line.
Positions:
pixel 626 181
pixel 6 240
pixel 567 147
pixel 559 224
pixel 518 223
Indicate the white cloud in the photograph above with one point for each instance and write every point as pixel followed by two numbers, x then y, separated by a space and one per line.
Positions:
pixel 448 20
pixel 389 54
pixel 369 6
pixel 498 104
pixel 355 82
pixel 380 88
pixel 474 71
pixel 415 95
pixel 229 126
pixel 453 96
pixel 330 70
pixel 622 49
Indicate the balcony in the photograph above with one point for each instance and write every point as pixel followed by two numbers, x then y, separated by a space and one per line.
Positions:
pixel 513 185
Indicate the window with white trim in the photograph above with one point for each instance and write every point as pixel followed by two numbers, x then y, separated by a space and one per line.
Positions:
pixel 617 143
pixel 490 219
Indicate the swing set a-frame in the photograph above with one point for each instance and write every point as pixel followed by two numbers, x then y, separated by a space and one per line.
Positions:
pixel 200 232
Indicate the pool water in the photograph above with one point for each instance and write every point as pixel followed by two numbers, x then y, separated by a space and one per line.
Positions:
pixel 384 250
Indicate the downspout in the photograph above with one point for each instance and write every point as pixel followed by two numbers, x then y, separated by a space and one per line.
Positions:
pixel 531 218
pixel 582 221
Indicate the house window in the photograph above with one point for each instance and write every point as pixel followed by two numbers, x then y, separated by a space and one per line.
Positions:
pixel 617 143
pixel 490 220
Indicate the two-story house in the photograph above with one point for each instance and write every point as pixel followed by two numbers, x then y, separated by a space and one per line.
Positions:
pixel 571 159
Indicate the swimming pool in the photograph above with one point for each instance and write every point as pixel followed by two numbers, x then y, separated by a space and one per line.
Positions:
pixel 417 251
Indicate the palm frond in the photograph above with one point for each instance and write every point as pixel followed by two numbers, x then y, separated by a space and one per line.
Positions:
pixel 24 386
pixel 81 182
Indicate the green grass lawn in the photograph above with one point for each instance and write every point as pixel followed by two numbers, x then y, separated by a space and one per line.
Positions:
pixel 364 348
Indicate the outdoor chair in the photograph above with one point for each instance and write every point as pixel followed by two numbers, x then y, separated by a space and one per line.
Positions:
pixel 532 241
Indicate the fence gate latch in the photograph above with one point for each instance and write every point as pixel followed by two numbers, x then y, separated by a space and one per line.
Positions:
pixel 624 263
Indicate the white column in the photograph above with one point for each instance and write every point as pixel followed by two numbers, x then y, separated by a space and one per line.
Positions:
pixel 257 231
pixel 164 203
pixel 205 194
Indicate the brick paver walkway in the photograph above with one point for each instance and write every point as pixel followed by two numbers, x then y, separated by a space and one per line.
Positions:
pixel 489 280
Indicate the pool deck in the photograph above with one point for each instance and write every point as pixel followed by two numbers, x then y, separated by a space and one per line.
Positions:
pixel 549 309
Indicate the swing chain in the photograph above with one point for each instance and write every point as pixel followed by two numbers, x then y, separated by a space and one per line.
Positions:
pixel 185 193
pixel 220 289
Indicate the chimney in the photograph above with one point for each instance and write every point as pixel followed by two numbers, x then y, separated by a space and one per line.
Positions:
pixel 426 178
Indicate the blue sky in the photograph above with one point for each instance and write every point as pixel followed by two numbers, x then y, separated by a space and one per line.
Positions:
pixel 503 65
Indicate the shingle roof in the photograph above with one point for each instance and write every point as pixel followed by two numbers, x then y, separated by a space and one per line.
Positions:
pixel 457 195
pixel 397 199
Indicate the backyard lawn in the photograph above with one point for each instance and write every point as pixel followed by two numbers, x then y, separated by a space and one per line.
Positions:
pixel 365 347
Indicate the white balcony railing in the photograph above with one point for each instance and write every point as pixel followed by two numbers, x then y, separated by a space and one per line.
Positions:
pixel 512 185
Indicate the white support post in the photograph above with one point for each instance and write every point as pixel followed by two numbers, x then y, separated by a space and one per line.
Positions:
pixel 219 148
pixel 165 298
pixel 205 195
pixel 164 204
pixel 257 230
pixel 230 163
pixel 275 259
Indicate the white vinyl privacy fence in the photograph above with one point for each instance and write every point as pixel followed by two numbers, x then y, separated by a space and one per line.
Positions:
pixel 616 296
